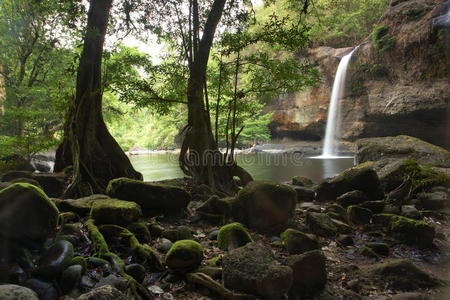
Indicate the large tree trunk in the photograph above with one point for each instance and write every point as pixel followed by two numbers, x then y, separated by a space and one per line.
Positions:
pixel 88 146
pixel 200 157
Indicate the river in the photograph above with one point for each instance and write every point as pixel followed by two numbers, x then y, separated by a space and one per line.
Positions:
pixel 262 166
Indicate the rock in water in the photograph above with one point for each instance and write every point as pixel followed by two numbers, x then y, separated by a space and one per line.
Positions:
pixel 27 216
pixel 361 177
pixel 153 198
pixel 253 269
pixel 265 206
pixel 105 292
pixel 309 272
pixel 16 292
pixel 184 255
pixel 233 236
pixel 298 242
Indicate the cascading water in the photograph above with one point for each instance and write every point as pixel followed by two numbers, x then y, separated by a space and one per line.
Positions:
pixel 333 126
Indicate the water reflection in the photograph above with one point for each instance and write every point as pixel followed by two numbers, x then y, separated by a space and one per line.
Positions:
pixel 262 166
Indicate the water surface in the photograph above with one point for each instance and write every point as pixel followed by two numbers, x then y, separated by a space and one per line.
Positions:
pixel 262 166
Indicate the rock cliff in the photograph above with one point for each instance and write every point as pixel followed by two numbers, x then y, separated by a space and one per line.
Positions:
pixel 398 81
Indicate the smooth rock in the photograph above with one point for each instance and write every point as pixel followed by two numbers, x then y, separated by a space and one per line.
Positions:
pixel 105 292
pixel 55 259
pixel 352 198
pixel 44 290
pixel 305 194
pixel 409 211
pixel 70 278
pixel 117 282
pixel 165 245
pixel 136 271
pixel 16 292
pixel 359 215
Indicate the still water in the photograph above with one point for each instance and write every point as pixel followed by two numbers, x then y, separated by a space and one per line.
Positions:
pixel 262 166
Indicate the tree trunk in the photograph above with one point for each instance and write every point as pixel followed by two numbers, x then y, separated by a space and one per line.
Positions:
pixel 88 146
pixel 200 157
pixel 2 92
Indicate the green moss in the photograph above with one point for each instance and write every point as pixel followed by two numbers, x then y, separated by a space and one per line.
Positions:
pixel 179 233
pixel 381 38
pixel 79 260
pixel 298 242
pixel 414 13
pixel 367 251
pixel 184 254
pixel 233 235
pixel 66 217
pixel 215 261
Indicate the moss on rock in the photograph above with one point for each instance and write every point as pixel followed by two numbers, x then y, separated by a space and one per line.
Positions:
pixel 321 224
pixel 184 255
pixel 298 242
pixel 232 236
pixel 177 234
pixel 114 211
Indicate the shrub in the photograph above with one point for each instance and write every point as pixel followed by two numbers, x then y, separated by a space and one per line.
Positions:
pixel 382 40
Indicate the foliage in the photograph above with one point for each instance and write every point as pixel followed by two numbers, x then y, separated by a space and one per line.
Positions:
pixel 414 13
pixel 382 40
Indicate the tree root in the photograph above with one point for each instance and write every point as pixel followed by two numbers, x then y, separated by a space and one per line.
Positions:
pixel 206 281
pixel 135 289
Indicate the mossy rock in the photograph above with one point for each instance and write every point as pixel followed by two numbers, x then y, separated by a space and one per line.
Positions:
pixel 339 212
pixel 305 194
pixel 321 224
pixel 79 260
pixel 215 261
pixel 302 181
pixel 359 215
pixel 141 231
pixel 352 198
pixel 114 211
pixel 152 198
pixel 341 226
pixel 177 234
pixel 81 206
pixel 265 206
pixel 184 255
pixel 55 259
pixel 361 177
pixel 27 180
pixel 214 209
pixel 253 269
pixel 27 215
pixel 232 236
pixel 399 275
pixel 411 231
pixel 309 273
pixel 298 242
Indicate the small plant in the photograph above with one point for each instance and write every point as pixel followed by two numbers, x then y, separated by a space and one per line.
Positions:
pixel 382 40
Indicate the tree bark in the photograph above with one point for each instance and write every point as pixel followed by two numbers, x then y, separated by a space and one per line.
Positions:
pixel 200 157
pixel 2 92
pixel 88 146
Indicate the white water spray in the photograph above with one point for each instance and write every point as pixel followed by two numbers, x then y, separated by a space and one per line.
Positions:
pixel 333 127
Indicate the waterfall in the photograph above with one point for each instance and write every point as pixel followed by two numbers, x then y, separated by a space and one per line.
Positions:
pixel 333 127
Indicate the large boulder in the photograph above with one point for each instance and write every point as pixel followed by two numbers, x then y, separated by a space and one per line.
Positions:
pixel 265 206
pixel 402 146
pixel 310 275
pixel 27 216
pixel 411 231
pixel 361 177
pixel 153 198
pixel 253 269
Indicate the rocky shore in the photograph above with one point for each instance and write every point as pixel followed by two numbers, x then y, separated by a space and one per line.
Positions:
pixel 379 230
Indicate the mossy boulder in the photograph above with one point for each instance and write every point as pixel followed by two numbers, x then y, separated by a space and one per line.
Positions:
pixel 232 236
pixel 302 181
pixel 298 242
pixel 184 255
pixel 352 198
pixel 114 211
pixel 252 269
pixel 81 206
pixel 214 209
pixel 265 206
pixel 179 233
pixel 359 215
pixel 305 194
pixel 411 231
pixel 321 224
pixel 335 211
pixel 361 177
pixel 27 216
pixel 399 275
pixel 153 198
pixel 309 272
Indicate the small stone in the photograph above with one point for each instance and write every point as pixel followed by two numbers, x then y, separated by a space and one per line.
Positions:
pixel 70 278
pixel 165 245
pixel 184 255
pixel 232 236
pixel 16 292
pixel 298 242
pixel 86 281
pixel 310 207
pixel 212 235
pixel 359 215
pixel 136 271
pixel 345 240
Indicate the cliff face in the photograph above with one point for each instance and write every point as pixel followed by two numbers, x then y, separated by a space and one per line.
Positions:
pixel 397 83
